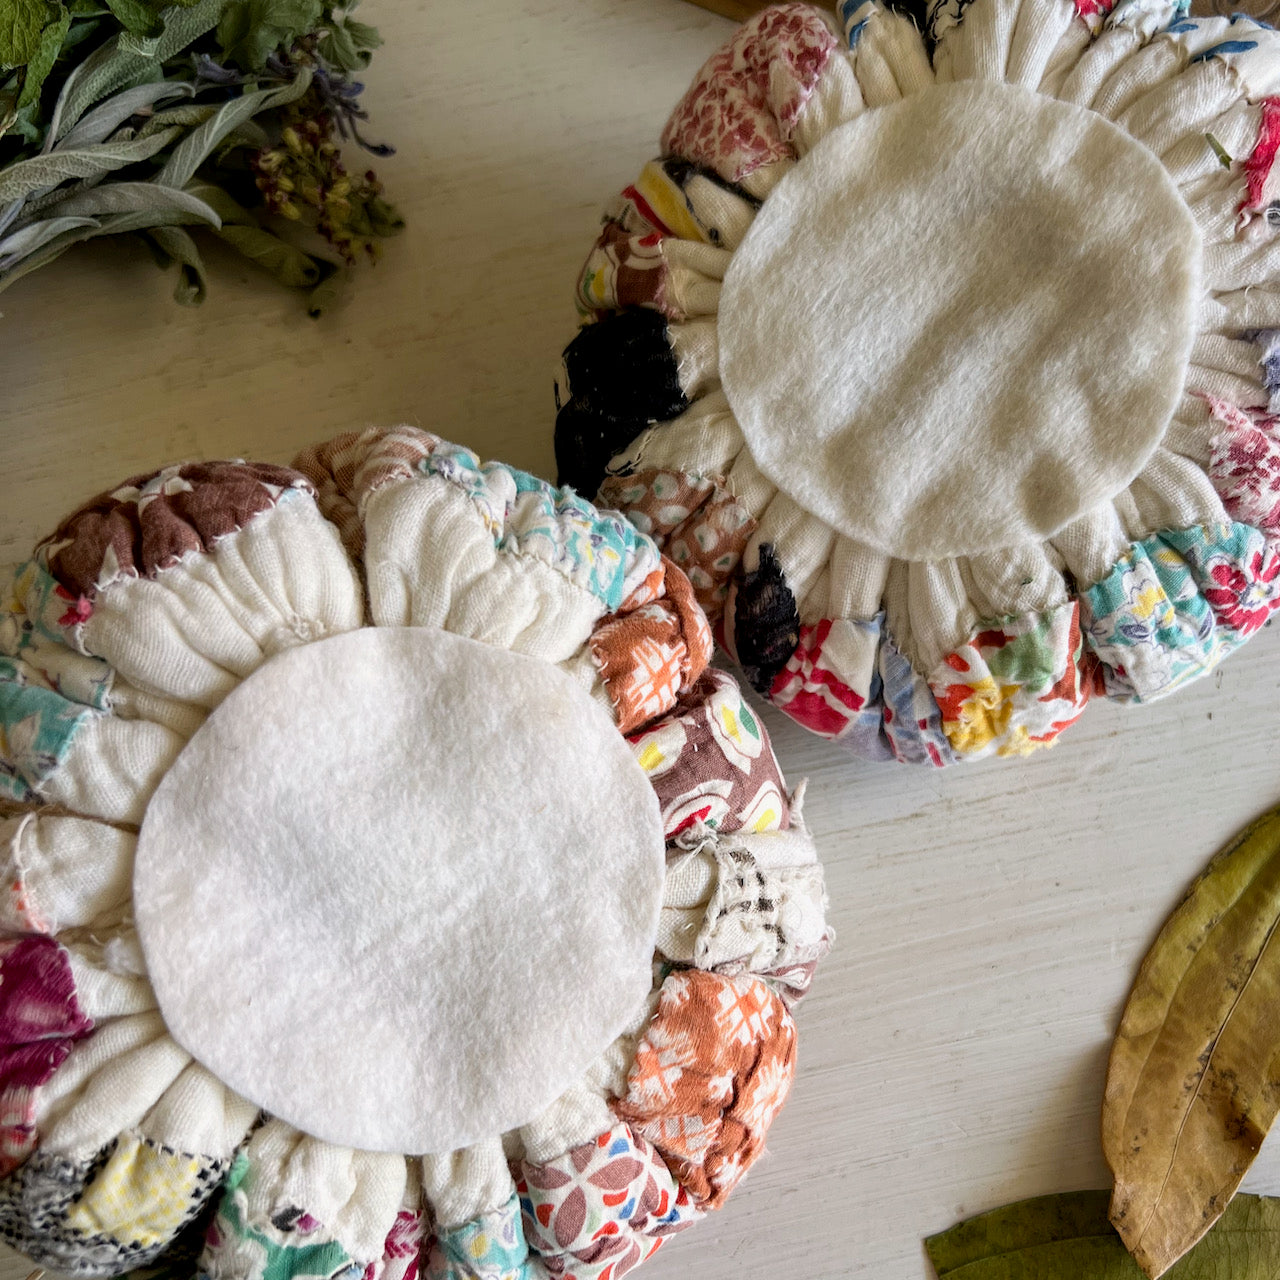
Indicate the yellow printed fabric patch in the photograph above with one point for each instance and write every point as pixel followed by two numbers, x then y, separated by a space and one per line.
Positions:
pixel 142 1195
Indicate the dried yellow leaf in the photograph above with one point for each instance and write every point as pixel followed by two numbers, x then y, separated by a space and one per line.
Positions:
pixel 1194 1079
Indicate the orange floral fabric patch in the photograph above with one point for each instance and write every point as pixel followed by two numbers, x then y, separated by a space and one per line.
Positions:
pixel 653 649
pixel 711 1071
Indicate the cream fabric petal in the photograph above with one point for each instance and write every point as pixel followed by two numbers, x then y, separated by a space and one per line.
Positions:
pixel 112 767
pixel 461 1185
pixel 431 561
pixel 196 629
pixel 63 873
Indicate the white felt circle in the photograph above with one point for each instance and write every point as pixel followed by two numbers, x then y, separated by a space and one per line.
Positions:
pixel 961 320
pixel 401 888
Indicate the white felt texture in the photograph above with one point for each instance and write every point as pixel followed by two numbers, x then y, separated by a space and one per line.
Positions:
pixel 962 320
pixel 401 888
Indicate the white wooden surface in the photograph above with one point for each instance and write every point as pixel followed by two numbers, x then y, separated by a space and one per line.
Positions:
pixel 990 917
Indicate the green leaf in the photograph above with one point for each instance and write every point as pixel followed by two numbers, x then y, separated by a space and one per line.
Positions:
pixel 135 197
pixel 228 209
pixel 286 262
pixel 348 44
pixel 21 22
pixel 250 31
pixel 192 151
pixel 366 37
pixel 189 114
pixel 100 123
pixel 37 234
pixel 1068 1237
pixel 192 285
pixel 128 60
pixel 25 176
pixel 137 16
pixel 46 55
pixel 328 292
pixel 1192 1087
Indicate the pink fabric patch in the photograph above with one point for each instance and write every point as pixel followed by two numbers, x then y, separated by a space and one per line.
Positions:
pixel 742 107
pixel 40 1019
pixel 1245 464
pixel 809 693
pixel 1257 168
pixel 401 1250
pixel 1093 12
pixel 1242 596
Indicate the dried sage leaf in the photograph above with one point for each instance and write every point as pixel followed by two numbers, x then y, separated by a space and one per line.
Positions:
pixel 192 151
pixel 177 244
pixel 1068 1237
pixel 1193 1084
pixel 38 234
pixel 58 166
pixel 135 197
pixel 97 125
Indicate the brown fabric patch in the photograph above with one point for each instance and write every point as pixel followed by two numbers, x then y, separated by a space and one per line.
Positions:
pixel 711 763
pixel 624 270
pixel 696 520
pixel 151 521
pixel 653 648
pixel 348 468
pixel 711 1071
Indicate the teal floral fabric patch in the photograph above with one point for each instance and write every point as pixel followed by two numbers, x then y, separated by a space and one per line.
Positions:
pixel 1177 604
pixel 490 1247
pixel 36 616
pixel 597 550
pixel 237 1248
pixel 37 725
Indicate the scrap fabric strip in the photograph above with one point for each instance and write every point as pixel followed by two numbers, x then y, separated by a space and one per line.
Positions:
pixel 150 522
pixel 653 649
pixel 1262 178
pixel 37 615
pixel 37 727
pixel 696 520
pixel 1245 464
pixel 350 467
pixel 114 1210
pixel 293 1246
pixel 830 683
pixel 912 718
pixel 490 1247
pixel 847 680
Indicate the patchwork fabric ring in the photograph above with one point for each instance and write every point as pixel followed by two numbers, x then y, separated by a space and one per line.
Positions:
pixel 944 360
pixel 389 885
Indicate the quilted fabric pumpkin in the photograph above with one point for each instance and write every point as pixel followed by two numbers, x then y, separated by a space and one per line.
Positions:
pixel 940 351
pixel 312 779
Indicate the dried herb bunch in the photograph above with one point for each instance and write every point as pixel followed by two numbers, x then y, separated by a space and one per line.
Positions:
pixel 129 116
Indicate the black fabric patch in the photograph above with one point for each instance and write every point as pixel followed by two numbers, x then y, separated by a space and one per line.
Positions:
pixel 680 171
pixel 766 622
pixel 622 376
pixel 916 10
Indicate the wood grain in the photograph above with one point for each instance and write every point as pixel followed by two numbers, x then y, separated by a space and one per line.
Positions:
pixel 738 10
pixel 990 918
